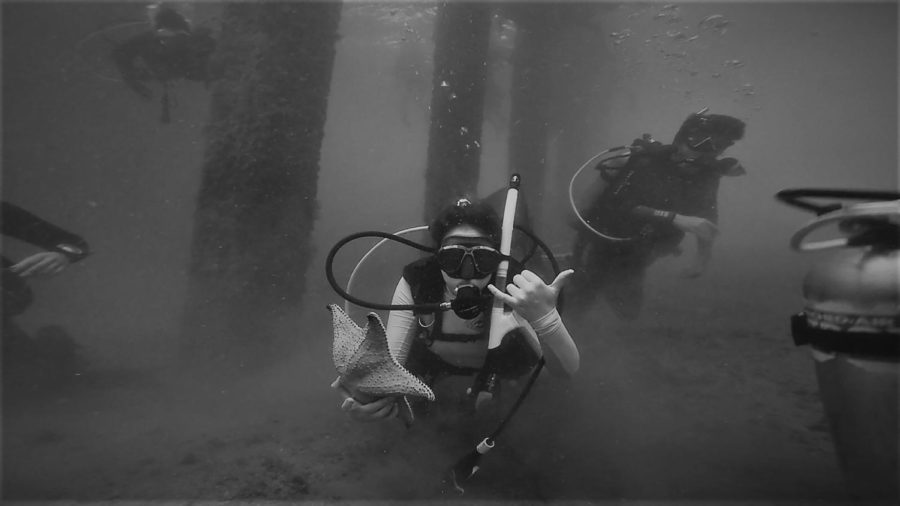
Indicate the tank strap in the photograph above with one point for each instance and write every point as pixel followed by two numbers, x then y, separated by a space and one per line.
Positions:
pixel 879 344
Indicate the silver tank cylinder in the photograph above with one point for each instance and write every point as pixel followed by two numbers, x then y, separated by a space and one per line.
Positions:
pixel 851 320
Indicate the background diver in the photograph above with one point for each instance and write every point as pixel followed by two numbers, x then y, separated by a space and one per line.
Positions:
pixel 644 203
pixel 51 352
pixel 172 49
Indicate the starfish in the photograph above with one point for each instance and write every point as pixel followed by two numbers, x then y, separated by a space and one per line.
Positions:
pixel 365 364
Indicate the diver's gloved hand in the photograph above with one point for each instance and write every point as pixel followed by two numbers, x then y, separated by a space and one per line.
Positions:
pixel 704 229
pixel 45 263
pixel 529 296
pixel 731 167
pixel 383 408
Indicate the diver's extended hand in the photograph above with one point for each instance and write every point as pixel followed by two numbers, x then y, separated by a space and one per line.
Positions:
pixel 379 409
pixel 46 263
pixel 529 296
pixel 704 229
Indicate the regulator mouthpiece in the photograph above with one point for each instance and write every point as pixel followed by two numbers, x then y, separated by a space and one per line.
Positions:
pixel 469 302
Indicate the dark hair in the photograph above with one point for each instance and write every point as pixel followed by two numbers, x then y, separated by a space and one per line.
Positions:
pixel 728 128
pixel 170 19
pixel 464 211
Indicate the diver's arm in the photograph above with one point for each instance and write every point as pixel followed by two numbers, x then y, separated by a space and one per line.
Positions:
pixel 383 408
pixel 556 343
pixel 26 226
pixel 705 230
pixel 535 301
pixel 401 324
pixel 701 212
pixel 652 214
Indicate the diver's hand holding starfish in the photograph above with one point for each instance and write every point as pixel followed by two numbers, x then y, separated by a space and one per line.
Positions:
pixel 372 382
pixel 379 409
pixel 45 263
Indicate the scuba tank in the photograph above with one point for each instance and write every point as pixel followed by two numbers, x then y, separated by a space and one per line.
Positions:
pixel 851 321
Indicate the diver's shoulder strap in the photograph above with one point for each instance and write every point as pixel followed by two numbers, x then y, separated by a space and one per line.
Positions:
pixel 645 151
pixel 425 282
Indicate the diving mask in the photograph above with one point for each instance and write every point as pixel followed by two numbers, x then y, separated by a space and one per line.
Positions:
pixel 468 262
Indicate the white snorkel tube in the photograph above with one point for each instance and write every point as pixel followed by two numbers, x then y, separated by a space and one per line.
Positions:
pixel 498 309
pixel 503 321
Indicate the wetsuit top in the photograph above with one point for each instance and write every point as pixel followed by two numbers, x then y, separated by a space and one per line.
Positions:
pixel 642 198
pixel 459 343
pixel 25 226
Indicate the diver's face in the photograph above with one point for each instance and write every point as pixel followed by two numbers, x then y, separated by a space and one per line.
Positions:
pixel 703 146
pixel 468 274
pixel 687 154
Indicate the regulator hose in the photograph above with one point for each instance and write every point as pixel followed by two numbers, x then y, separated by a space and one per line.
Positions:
pixel 456 304
pixel 572 195
pixel 799 197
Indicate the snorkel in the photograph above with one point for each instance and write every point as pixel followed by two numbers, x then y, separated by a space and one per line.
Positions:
pixel 509 218
pixel 502 324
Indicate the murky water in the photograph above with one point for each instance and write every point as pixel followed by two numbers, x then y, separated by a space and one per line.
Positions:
pixel 704 398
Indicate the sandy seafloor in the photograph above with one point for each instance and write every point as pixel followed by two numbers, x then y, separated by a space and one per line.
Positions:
pixel 688 405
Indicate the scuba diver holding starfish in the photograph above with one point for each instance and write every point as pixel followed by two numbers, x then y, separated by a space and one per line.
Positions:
pixel 172 49
pixel 491 335
pixel 436 344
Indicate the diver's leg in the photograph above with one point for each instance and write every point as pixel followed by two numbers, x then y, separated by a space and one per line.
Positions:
pixel 586 283
pixel 18 346
pixel 625 288
pixel 19 356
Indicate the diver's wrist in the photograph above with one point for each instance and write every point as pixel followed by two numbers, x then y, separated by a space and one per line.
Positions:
pixel 547 323
pixel 73 253
pixel 658 215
